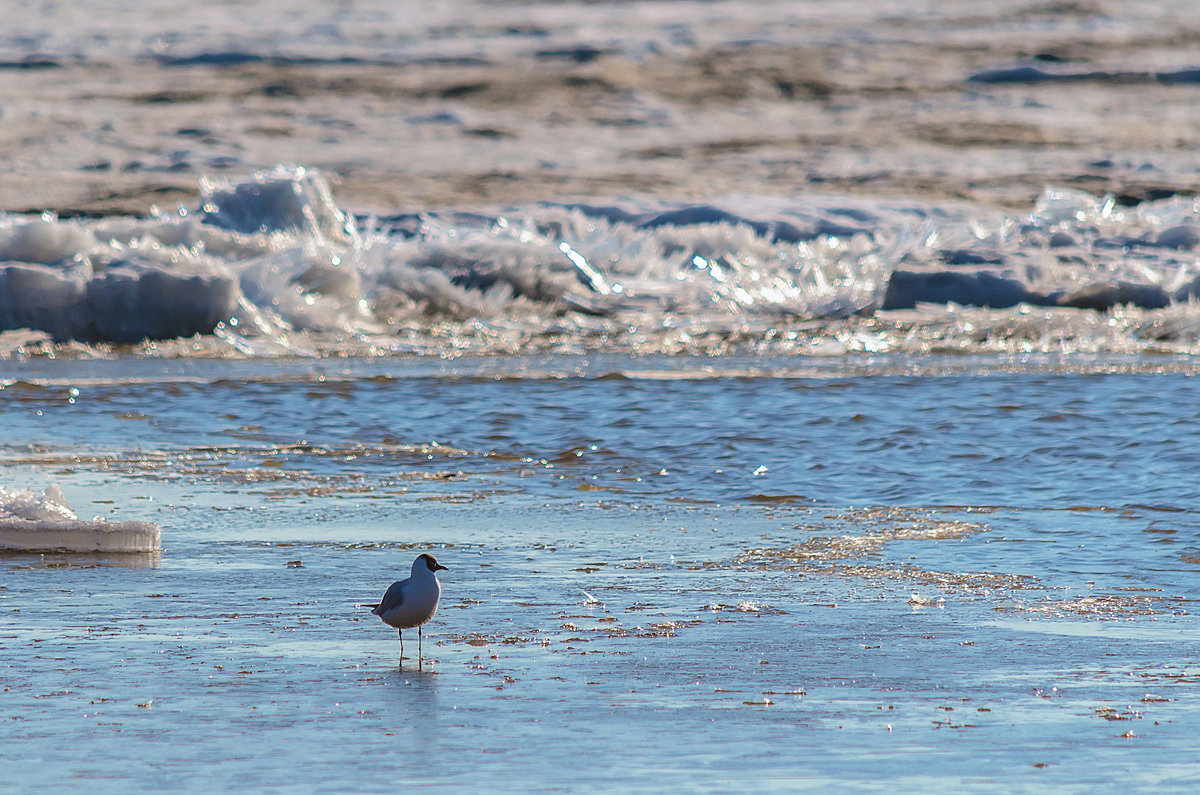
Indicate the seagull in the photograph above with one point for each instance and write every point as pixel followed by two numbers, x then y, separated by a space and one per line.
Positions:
pixel 410 603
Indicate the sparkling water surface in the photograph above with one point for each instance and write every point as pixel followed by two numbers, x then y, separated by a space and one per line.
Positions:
pixel 663 574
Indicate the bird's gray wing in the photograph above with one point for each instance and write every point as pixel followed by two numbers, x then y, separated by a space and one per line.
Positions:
pixel 393 598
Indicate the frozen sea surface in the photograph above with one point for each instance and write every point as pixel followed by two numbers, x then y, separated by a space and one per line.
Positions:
pixel 419 106
pixel 683 177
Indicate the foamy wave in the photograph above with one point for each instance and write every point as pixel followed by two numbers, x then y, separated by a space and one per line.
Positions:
pixel 273 263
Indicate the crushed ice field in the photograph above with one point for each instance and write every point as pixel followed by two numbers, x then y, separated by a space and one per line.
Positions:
pixel 273 267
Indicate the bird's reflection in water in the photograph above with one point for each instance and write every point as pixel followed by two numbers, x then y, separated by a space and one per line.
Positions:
pixel 411 705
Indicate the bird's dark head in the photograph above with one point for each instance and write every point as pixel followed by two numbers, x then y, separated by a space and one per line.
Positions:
pixel 432 564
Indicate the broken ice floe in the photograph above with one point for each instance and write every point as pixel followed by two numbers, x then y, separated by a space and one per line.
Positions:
pixel 917 600
pixel 33 522
pixel 274 257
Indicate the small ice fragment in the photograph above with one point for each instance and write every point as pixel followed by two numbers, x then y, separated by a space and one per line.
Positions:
pixel 28 505
pixel 761 470
pixel 916 600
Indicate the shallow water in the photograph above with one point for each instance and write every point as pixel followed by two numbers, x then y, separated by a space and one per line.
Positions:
pixel 981 579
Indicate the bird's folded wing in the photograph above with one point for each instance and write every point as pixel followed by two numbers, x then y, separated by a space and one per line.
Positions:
pixel 393 598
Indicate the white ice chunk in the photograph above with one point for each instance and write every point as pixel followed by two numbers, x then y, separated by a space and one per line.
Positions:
pixel 40 297
pixel 285 199
pixel 32 522
pixel 45 240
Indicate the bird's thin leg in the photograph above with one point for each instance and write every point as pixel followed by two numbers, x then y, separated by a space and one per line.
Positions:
pixel 418 647
pixel 400 632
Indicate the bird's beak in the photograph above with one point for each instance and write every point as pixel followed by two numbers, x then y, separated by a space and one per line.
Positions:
pixel 440 567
